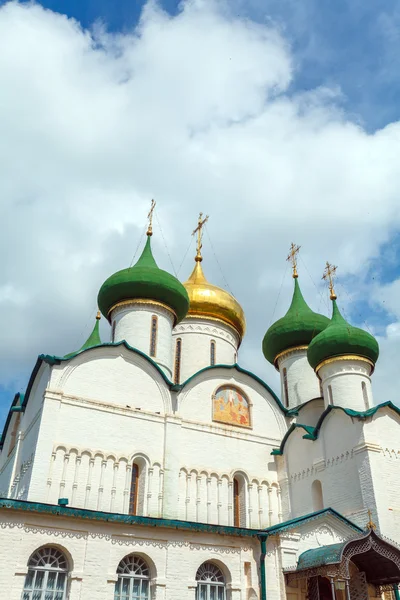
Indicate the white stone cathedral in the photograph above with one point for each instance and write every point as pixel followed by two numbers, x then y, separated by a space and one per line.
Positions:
pixel 153 466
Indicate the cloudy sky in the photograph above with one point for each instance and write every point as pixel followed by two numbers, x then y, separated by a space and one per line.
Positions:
pixel 278 118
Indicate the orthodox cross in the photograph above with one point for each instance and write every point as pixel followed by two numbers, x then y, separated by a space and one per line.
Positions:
pixel 199 230
pixel 292 257
pixel 329 275
pixel 370 525
pixel 150 218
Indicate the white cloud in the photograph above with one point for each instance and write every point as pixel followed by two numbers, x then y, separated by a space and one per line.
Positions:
pixel 197 111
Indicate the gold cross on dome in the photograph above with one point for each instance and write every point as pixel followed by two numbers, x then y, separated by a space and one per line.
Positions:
pixel 150 218
pixel 292 257
pixel 329 275
pixel 199 230
pixel 370 524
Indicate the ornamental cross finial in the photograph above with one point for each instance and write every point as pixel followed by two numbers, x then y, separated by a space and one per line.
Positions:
pixel 199 230
pixel 150 218
pixel 370 525
pixel 329 275
pixel 292 257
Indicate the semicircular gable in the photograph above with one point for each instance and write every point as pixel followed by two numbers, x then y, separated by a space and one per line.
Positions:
pixel 266 418
pixel 114 375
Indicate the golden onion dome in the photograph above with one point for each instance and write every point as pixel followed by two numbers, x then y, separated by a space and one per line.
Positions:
pixel 210 301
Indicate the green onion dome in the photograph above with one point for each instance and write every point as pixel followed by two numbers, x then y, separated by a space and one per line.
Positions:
pixel 297 328
pixel 93 339
pixel 341 339
pixel 145 280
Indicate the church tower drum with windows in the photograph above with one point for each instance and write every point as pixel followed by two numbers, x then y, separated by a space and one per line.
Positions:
pixel 155 467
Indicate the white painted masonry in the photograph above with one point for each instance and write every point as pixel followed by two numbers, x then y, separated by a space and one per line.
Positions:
pixel 302 383
pixel 132 322
pixel 196 335
pixel 347 383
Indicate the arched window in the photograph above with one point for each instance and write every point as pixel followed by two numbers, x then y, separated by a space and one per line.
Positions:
pixel 133 579
pixel 134 493
pixel 365 395
pixel 177 366
pixel 285 387
pixel 321 389
pixel 153 335
pixel 113 331
pixel 210 583
pixel 330 394
pixel 212 352
pixel 47 576
pixel 317 497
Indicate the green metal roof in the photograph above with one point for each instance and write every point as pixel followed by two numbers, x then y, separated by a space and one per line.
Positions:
pixel 318 557
pixel 144 280
pixel 340 338
pixel 83 513
pixel 297 328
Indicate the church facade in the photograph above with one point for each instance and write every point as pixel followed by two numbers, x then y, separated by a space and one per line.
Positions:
pixel 154 466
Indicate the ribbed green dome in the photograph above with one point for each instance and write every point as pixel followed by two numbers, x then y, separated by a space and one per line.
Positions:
pixel 296 328
pixel 341 338
pixel 144 280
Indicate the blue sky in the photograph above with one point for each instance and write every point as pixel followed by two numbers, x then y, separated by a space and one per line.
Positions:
pixel 352 44
pixel 348 49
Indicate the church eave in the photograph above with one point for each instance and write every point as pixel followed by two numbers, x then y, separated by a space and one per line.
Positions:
pixel 312 433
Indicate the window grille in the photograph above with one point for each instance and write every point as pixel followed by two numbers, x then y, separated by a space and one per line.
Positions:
pixel 133 579
pixel 177 366
pixel 285 387
pixel 212 352
pixel 47 576
pixel 153 335
pixel 210 583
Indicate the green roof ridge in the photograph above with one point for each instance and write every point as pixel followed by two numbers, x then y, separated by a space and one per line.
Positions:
pixel 144 280
pixel 296 328
pixel 341 338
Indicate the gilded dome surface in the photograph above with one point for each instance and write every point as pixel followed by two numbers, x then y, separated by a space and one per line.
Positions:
pixel 207 300
pixel 144 280
pixel 297 328
pixel 340 338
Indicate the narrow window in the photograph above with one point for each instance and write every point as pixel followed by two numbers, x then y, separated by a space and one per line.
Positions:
pixel 236 503
pixel 317 497
pixel 133 579
pixel 133 498
pixel 47 575
pixel 365 395
pixel 113 331
pixel 153 335
pixel 330 394
pixel 285 388
pixel 177 367
pixel 321 389
pixel 212 352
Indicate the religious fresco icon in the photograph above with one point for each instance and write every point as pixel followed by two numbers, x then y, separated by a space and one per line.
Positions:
pixel 231 406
